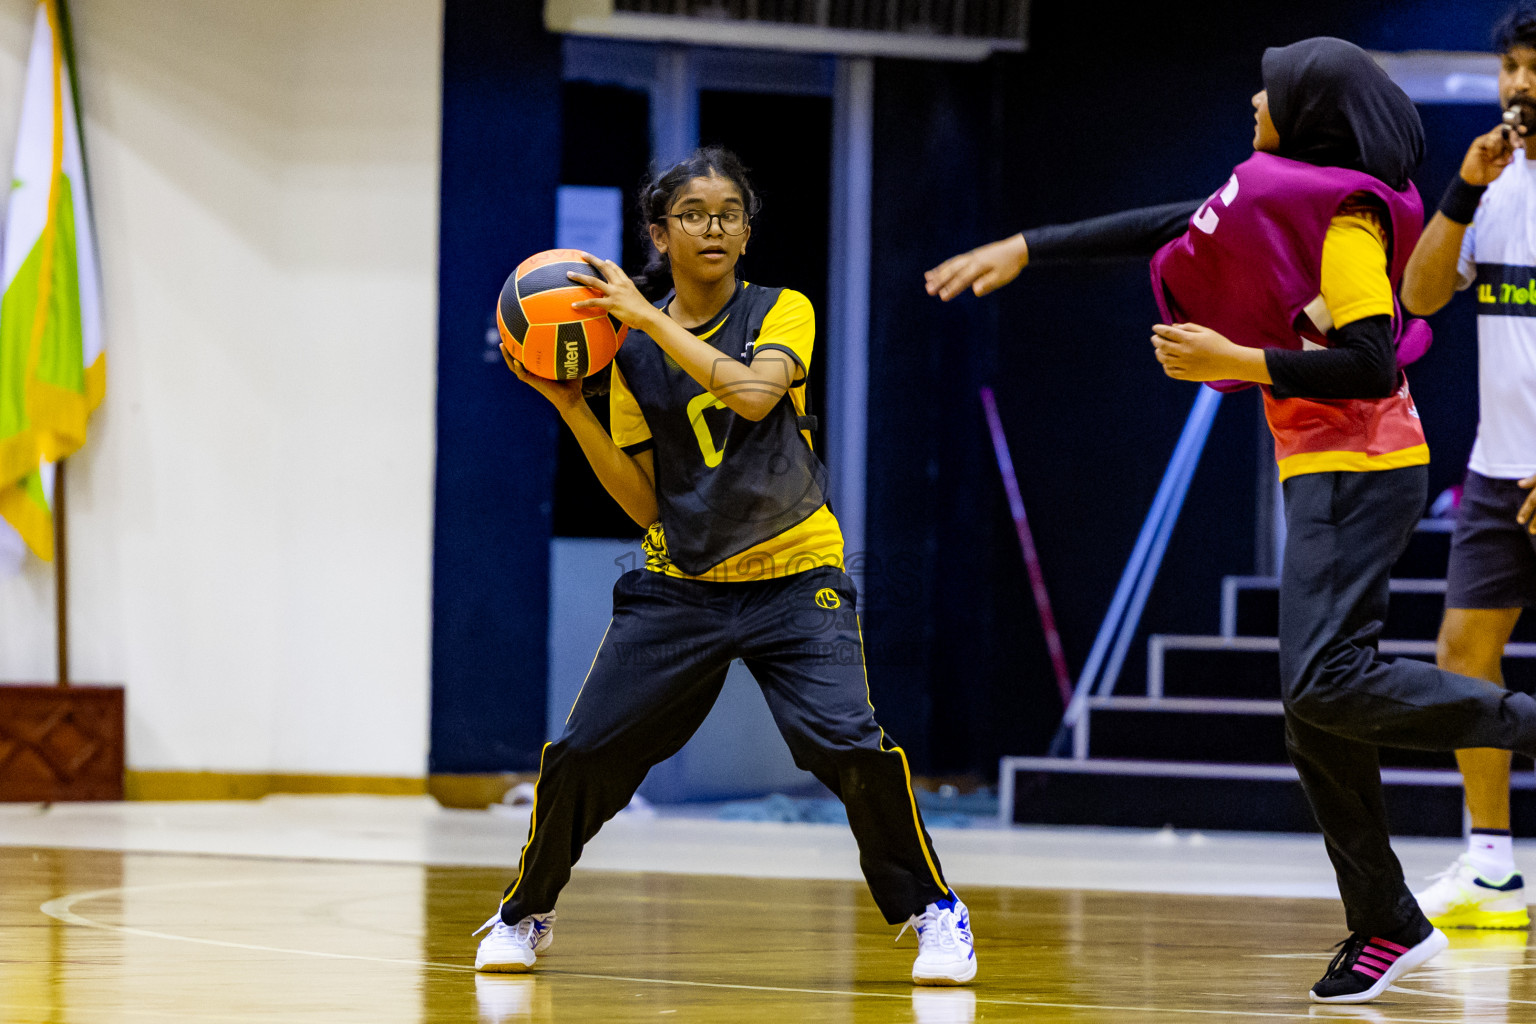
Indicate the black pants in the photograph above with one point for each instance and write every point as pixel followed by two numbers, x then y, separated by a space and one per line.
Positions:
pixel 657 673
pixel 1344 532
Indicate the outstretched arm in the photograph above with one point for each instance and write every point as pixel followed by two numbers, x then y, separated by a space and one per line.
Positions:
pixel 1129 233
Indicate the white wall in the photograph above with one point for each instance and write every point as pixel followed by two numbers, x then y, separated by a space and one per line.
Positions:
pixel 250 523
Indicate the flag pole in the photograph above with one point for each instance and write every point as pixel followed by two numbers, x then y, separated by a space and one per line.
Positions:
pixel 61 572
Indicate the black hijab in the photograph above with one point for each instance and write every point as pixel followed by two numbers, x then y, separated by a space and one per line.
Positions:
pixel 1335 107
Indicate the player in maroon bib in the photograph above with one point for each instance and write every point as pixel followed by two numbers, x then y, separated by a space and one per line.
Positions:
pixel 1282 208
pixel 1284 278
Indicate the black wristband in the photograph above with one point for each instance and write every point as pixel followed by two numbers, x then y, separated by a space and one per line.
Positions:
pixel 1460 200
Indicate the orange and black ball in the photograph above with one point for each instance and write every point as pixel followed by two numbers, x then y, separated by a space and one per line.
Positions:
pixel 542 331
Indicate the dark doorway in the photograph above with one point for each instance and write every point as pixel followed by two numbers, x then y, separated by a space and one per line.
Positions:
pixel 786 143
pixel 616 156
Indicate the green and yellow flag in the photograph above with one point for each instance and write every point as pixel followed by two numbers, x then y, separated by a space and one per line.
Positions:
pixel 52 365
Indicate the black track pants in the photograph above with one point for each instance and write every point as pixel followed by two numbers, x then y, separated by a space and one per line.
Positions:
pixel 1344 532
pixel 658 672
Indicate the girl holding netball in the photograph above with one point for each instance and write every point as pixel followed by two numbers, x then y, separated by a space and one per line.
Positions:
pixel 744 559
pixel 1285 279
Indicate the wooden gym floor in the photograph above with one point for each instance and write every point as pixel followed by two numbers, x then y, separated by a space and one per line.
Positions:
pixel 96 936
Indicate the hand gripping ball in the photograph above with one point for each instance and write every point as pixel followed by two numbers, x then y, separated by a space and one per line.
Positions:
pixel 541 329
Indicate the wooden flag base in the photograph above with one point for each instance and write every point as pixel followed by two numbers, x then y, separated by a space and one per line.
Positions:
pixel 61 743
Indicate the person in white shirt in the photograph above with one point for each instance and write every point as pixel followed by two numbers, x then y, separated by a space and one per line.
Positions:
pixel 1484 237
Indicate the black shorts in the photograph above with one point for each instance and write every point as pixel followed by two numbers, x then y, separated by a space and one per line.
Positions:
pixel 1493 558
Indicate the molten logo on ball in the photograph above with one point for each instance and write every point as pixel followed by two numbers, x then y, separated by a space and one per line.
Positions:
pixel 540 328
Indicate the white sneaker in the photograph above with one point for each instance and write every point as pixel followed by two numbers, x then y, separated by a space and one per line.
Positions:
pixel 511 948
pixel 1462 897
pixel 946 951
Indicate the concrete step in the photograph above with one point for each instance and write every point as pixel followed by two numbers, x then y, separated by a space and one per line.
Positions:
pixel 1427 551
pixel 1182 665
pixel 1209 730
pixel 1250 606
pixel 1247 797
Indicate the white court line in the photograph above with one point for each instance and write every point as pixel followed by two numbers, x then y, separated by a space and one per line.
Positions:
pixel 61 909
pixel 1289 956
pixel 1438 970
pixel 1504 1001
pixel 1447 969
pixel 200 1016
pixel 990 1002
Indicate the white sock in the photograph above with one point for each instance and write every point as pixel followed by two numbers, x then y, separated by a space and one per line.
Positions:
pixel 1492 853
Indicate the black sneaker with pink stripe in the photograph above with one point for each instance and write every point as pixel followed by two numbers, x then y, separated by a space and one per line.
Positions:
pixel 1366 966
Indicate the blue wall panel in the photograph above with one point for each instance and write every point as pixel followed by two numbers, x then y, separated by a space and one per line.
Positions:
pixel 495 436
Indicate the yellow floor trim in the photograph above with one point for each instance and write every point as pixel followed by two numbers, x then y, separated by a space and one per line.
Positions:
pixel 475 791
pixel 159 785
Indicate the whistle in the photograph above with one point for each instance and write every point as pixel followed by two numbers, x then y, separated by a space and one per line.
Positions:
pixel 1520 114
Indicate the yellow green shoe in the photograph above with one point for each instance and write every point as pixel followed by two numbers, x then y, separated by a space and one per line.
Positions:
pixel 1461 897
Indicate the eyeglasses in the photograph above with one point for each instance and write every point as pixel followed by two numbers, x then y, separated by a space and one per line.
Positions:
pixel 696 222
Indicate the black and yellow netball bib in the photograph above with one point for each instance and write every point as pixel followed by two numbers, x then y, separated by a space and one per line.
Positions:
pixel 724 484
